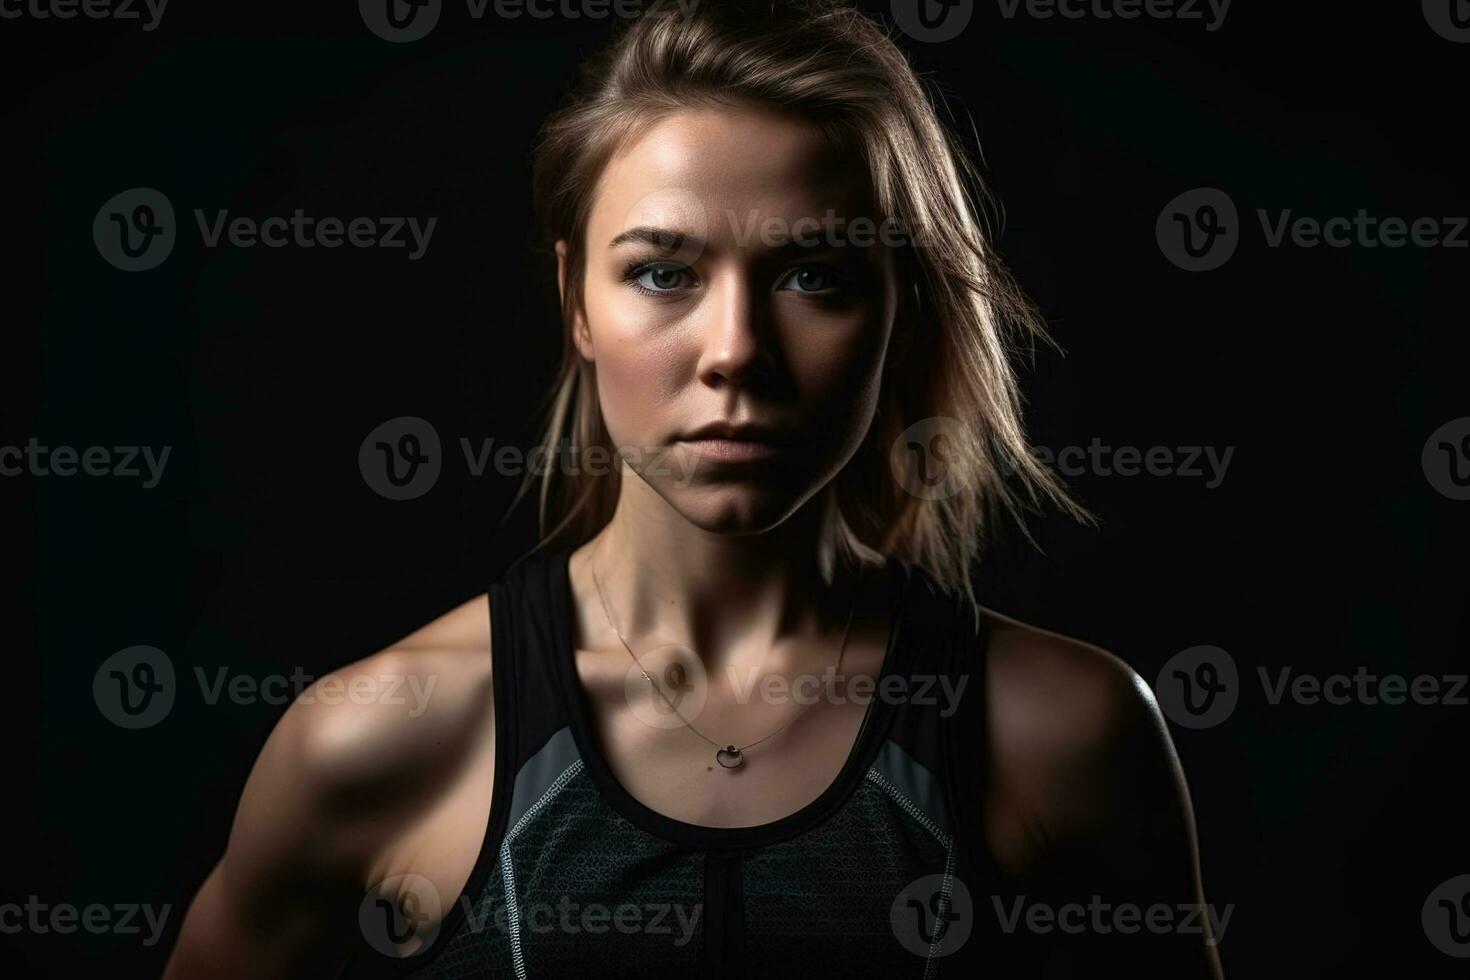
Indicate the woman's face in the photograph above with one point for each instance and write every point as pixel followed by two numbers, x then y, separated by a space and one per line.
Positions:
pixel 736 273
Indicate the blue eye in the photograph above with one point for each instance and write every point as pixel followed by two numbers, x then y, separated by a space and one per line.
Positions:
pixel 813 279
pixel 658 277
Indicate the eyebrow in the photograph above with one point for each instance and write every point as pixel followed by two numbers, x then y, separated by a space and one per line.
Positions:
pixel 674 241
pixel 657 237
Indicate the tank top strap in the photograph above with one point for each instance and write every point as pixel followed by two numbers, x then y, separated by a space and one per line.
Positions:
pixel 525 638
pixel 939 720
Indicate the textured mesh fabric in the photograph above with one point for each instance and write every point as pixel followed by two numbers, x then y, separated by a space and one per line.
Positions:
pixel 596 896
pixel 593 895
pixel 823 901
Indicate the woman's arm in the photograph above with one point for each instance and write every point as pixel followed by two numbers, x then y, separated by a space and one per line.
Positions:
pixel 334 795
pixel 278 903
pixel 1101 830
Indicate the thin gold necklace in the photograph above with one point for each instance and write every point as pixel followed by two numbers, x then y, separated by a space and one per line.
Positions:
pixel 728 756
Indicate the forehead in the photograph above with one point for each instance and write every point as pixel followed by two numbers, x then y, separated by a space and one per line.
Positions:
pixel 734 164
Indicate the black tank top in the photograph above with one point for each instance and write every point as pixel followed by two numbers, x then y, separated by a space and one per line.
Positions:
pixel 885 874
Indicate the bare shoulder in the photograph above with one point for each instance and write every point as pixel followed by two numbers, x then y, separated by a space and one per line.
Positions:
pixel 1059 694
pixel 1078 746
pixel 355 767
pixel 366 748
pixel 1086 798
pixel 421 704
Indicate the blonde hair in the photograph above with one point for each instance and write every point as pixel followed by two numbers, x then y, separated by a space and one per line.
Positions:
pixel 830 65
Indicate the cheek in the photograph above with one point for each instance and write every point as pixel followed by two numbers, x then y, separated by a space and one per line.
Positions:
pixel 838 354
pixel 638 363
pixel 837 360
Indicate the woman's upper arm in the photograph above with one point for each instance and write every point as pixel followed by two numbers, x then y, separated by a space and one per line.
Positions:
pixel 275 903
pixel 1083 760
pixel 338 781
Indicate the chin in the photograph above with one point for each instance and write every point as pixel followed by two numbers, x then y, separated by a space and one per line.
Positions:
pixel 736 509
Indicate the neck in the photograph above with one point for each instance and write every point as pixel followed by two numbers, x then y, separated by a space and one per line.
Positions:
pixel 768 601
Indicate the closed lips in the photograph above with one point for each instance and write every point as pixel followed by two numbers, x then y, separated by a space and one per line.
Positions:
pixel 739 433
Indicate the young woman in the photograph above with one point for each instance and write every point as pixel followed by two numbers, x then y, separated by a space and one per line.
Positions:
pixel 739 713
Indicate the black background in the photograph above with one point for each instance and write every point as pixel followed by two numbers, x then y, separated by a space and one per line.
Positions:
pixel 264 551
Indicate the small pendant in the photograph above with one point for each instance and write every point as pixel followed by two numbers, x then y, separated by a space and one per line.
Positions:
pixel 730 757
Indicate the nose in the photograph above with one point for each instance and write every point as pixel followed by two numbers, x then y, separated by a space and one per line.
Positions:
pixel 732 343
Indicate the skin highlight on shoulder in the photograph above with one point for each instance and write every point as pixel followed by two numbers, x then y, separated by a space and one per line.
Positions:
pixel 1067 719
pixel 360 761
